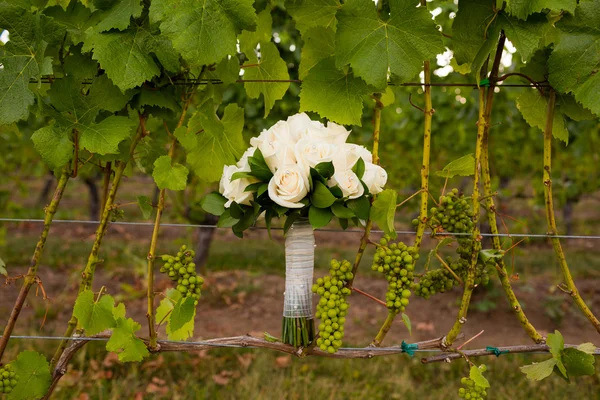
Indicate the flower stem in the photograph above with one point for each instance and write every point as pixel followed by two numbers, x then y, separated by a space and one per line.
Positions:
pixel 87 275
pixel 31 276
pixel 552 230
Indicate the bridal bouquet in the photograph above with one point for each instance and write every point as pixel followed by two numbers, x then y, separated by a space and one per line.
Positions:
pixel 300 168
pixel 304 171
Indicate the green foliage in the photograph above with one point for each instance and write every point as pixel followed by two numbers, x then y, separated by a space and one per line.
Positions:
pixel 533 106
pixel 372 46
pixel 93 315
pixel 523 8
pixel 383 211
pixel 184 323
pixel 33 376
pixel 169 176
pixel 124 341
pixel 464 166
pixel 313 13
pixel 145 206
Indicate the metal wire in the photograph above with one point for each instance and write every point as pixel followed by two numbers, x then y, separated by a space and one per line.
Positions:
pixel 511 235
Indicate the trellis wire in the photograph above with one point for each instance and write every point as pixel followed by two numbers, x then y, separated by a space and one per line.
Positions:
pixel 206 226
pixel 219 82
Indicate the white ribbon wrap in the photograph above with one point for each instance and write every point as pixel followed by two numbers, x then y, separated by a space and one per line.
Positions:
pixel 299 266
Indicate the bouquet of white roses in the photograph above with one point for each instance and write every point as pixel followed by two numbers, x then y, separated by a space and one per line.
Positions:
pixel 303 170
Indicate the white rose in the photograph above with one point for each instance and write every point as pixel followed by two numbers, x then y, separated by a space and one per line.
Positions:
pixel 332 133
pixel 348 182
pixel 300 124
pixel 288 186
pixel 374 177
pixel 276 145
pixel 234 190
pixel 349 154
pixel 243 163
pixel 309 153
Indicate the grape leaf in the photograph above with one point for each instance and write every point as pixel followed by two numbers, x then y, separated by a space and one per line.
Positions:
pixel 372 46
pixel 319 43
pixel 119 15
pixel 476 28
pixel 33 376
pixel 587 348
pixel 333 93
pixel 523 8
pixel 94 316
pixel 54 146
pixel 383 211
pixel 228 70
pixel 63 3
pixel 183 312
pixel 311 13
pixel 574 63
pixel 105 136
pixel 556 342
pixel 539 371
pixel 533 107
pixel 270 67
pixel 476 374
pixel 125 56
pixel 165 98
pixel 407 323
pixel 169 176
pixel 163 313
pixel 464 166
pixel 577 362
pixel 204 32
pixel 145 206
pixel 218 142
pixel 22 58
pixel 262 33
pixel 124 342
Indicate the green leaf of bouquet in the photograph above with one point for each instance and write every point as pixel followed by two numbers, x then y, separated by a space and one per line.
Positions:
pixel 213 203
pixel 325 169
pixel 54 146
pixel 236 210
pixel 33 376
pixel 204 32
pixel 259 167
pixel 93 316
pixel 577 362
pixel 384 210
pixel 319 217
pixel 241 175
pixel 321 197
pixel 533 106
pixel 523 8
pixel 183 312
pixel 359 168
pixel 476 374
pixel 226 220
pixel 270 66
pixel 333 93
pixel 169 176
pixel 145 206
pixel 360 206
pixel 125 343
pixel 313 13
pixel 539 371
pixel 372 46
pixel 291 218
pixel 319 43
pixel 580 41
pixel 219 142
pixel 340 211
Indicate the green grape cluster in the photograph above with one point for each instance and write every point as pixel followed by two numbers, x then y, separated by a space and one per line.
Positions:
pixel 455 215
pixel 333 305
pixel 182 269
pixel 8 379
pixel 470 390
pixel 397 262
pixel 116 214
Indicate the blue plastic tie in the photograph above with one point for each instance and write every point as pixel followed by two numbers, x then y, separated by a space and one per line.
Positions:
pixel 496 351
pixel 409 348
